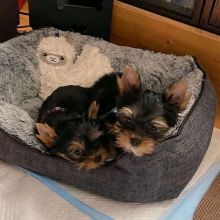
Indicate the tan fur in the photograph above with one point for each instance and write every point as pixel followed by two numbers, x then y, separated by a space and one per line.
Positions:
pixel 178 94
pixel 123 141
pixel 93 110
pixel 90 162
pixel 63 156
pixel 47 135
pixel 77 144
pixel 130 79
pixel 114 128
pixel 126 111
pixel 160 122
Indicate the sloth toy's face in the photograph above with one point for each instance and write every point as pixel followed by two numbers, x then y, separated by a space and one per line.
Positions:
pixel 56 51
pixel 51 58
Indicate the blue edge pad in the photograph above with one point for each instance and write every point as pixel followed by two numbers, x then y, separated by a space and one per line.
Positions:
pixel 183 209
pixel 89 211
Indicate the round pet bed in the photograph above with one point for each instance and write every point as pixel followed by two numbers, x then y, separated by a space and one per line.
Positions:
pixel 26 79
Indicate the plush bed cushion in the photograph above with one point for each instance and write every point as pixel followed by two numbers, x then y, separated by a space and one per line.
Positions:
pixel 151 178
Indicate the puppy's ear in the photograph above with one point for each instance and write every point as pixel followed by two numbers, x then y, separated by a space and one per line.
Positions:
pixel 129 81
pixel 93 110
pixel 47 135
pixel 177 95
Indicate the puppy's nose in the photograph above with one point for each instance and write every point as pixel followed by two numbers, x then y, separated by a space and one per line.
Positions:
pixel 135 141
pixel 98 158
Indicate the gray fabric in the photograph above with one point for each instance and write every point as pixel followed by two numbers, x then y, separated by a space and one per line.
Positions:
pixel 151 178
pixel 18 75
pixel 32 106
pixel 20 80
pixel 18 122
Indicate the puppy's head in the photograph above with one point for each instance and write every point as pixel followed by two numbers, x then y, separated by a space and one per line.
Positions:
pixel 146 120
pixel 82 143
pixel 86 146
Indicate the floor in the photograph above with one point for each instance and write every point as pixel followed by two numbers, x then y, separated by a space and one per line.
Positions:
pixel 210 204
pixel 24 21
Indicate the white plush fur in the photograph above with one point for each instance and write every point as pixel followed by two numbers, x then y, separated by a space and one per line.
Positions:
pixel 82 70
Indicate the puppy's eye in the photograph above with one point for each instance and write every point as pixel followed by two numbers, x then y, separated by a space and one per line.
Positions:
pixel 129 121
pixel 126 121
pixel 77 152
pixel 150 128
pixel 74 153
pixel 61 58
pixel 44 54
pixel 122 120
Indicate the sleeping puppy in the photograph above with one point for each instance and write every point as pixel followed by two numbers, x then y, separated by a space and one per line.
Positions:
pixel 68 128
pixel 82 142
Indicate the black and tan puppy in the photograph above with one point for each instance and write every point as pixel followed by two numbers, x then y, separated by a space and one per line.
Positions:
pixel 67 121
pixel 82 142
pixel 144 117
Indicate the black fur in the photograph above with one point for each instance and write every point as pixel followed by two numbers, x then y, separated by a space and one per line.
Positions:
pixel 72 100
pixel 69 131
pixel 105 92
pixel 66 110
pixel 75 100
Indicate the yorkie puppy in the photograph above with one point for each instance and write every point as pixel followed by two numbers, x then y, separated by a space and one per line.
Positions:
pixel 143 118
pixel 82 142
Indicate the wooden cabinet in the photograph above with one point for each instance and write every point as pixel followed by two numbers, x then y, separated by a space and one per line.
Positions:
pixel 203 14
pixel 210 18
pixel 8 19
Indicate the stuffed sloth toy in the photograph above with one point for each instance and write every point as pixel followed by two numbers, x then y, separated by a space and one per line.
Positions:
pixel 60 66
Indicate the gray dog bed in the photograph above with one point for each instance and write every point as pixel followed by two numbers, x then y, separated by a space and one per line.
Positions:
pixel 156 177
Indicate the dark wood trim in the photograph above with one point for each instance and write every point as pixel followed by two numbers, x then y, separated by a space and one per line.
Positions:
pixel 206 12
pixel 197 11
pixel 206 15
pixel 194 20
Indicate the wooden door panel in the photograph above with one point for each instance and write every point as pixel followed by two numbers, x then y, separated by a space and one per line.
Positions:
pixel 210 17
pixel 215 15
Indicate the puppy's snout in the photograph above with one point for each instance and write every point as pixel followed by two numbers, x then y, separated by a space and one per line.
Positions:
pixel 135 141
